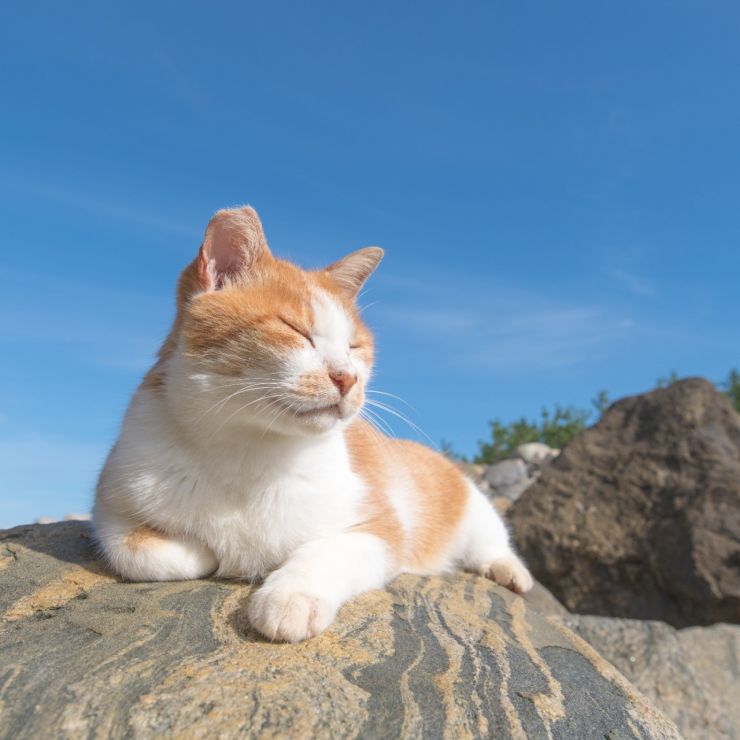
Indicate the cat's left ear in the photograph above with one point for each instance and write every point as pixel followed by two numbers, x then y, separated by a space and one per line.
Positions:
pixel 352 271
pixel 234 242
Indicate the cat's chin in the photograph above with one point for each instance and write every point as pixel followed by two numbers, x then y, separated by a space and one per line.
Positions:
pixel 321 420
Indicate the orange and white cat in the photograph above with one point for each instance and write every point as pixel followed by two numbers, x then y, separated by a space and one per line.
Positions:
pixel 242 454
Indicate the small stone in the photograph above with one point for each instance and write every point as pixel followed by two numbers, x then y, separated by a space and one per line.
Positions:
pixel 537 453
pixel 506 473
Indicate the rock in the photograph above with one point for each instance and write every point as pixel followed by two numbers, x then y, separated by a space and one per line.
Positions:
pixel 544 602
pixel 639 516
pixel 506 473
pixel 508 478
pixel 85 655
pixel 77 517
pixel 67 518
pixel 476 473
pixel 537 453
pixel 515 490
pixel 691 674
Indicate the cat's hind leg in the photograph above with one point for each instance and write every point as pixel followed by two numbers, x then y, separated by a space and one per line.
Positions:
pixel 139 553
pixel 484 546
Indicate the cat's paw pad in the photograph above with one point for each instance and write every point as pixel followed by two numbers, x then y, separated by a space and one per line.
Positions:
pixel 510 571
pixel 289 616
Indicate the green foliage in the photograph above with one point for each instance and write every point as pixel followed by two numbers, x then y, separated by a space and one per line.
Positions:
pixel 601 402
pixel 555 428
pixel 667 381
pixel 558 427
pixel 731 388
pixel 447 449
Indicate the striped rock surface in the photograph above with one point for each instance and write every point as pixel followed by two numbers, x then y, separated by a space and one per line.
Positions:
pixel 84 655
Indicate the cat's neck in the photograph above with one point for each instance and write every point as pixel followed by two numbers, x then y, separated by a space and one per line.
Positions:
pixel 251 451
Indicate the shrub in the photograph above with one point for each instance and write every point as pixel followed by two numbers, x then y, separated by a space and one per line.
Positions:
pixel 731 388
pixel 555 428
pixel 558 427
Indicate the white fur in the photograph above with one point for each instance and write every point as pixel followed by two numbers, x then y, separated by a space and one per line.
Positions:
pixel 248 490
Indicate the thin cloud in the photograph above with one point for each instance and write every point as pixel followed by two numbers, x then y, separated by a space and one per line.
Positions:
pixel 182 86
pixel 633 283
pixel 100 206
pixel 108 328
pixel 507 329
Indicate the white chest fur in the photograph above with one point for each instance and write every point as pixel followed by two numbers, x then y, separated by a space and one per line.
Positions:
pixel 252 499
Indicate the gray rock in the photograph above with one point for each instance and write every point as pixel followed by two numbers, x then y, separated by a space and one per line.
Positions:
pixel 639 516
pixel 506 473
pixel 85 655
pixel 476 473
pixel 691 674
pixel 513 491
pixel 544 602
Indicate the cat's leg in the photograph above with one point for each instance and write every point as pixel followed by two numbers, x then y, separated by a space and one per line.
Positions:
pixel 301 598
pixel 140 553
pixel 484 546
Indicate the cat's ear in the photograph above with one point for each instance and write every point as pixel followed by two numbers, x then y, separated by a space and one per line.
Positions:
pixel 352 271
pixel 233 243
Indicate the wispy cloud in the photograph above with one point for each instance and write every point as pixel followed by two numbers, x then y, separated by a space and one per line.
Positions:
pixel 106 327
pixel 179 83
pixel 504 329
pixel 632 283
pixel 97 204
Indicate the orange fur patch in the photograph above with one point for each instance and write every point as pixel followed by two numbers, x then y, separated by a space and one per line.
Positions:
pixel 439 489
pixel 442 494
pixel 144 537
pixel 368 461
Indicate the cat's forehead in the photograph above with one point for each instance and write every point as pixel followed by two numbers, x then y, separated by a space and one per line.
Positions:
pixel 329 318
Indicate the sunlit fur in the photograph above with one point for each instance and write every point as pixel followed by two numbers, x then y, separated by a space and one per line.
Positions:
pixel 244 454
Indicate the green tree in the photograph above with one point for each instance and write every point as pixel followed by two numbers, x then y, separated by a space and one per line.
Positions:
pixel 667 381
pixel 731 388
pixel 555 428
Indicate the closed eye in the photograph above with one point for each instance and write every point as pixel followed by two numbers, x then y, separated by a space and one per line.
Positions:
pixel 302 332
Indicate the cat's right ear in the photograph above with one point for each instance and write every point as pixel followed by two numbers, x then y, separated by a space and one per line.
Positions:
pixel 234 242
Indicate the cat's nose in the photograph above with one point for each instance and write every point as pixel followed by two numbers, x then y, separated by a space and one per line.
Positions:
pixel 343 380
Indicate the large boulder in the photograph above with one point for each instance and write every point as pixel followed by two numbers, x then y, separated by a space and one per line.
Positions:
pixel 639 516
pixel 84 655
pixel 691 674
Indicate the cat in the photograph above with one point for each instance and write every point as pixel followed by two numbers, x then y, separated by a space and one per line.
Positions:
pixel 243 455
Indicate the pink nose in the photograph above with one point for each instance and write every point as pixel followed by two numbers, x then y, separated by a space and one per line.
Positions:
pixel 343 380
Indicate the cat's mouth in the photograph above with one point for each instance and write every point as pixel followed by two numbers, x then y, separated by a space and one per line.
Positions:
pixel 331 409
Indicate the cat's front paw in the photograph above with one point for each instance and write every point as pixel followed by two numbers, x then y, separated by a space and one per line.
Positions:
pixel 509 571
pixel 289 616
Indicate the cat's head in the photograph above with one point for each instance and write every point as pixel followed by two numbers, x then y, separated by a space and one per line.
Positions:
pixel 263 343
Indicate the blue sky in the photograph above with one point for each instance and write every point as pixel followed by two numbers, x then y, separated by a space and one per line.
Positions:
pixel 556 187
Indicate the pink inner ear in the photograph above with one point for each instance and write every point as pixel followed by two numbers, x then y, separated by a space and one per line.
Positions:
pixel 234 239
pixel 210 275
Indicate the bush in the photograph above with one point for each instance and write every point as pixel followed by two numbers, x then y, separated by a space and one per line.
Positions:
pixel 557 428
pixel 731 388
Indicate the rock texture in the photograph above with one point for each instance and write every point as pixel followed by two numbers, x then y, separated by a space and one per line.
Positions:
pixel 692 674
pixel 87 656
pixel 639 516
